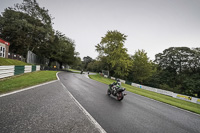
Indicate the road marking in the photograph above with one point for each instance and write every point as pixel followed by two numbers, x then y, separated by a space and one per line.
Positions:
pixel 57 76
pixel 83 109
pixel 86 76
pixel 10 93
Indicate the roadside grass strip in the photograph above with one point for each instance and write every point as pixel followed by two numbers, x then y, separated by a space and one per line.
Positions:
pixel 73 70
pixel 193 107
pixel 5 61
pixel 26 80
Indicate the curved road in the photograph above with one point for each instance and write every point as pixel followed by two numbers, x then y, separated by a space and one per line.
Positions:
pixel 134 114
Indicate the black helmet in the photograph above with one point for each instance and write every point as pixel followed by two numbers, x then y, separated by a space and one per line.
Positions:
pixel 118 80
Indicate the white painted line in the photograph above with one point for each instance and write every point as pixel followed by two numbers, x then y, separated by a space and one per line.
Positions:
pixel 86 76
pixel 27 88
pixel 57 75
pixel 84 111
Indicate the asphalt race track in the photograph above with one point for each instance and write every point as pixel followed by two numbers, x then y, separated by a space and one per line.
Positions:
pixel 134 114
pixel 51 108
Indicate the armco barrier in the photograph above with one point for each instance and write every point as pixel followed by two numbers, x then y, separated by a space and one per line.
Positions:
pixel 37 67
pixel 27 69
pixel 186 98
pixel 113 78
pixel 33 68
pixel 19 70
pixel 7 71
pixel 123 81
pixel 160 91
pixel 198 101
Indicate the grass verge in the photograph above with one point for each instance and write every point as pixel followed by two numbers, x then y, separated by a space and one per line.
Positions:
pixel 5 61
pixel 193 107
pixel 26 80
pixel 74 71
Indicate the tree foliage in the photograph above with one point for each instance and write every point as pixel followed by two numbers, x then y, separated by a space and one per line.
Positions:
pixel 180 69
pixel 112 52
pixel 141 67
pixel 64 50
pixel 86 61
pixel 28 27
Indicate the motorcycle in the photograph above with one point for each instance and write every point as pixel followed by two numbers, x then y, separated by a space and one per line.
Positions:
pixel 117 91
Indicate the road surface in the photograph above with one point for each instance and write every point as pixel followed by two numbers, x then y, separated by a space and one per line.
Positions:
pixel 43 109
pixel 49 108
pixel 133 114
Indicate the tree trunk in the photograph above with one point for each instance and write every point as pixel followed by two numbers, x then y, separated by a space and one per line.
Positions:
pixel 198 94
pixel 50 61
pixel 61 65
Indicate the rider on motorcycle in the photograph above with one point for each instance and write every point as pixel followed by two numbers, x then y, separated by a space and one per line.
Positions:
pixel 117 84
pixel 116 90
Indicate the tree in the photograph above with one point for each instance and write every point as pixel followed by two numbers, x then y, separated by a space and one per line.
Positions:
pixel 64 50
pixel 112 52
pixel 95 66
pixel 86 61
pixel 26 27
pixel 180 68
pixel 77 63
pixel 141 68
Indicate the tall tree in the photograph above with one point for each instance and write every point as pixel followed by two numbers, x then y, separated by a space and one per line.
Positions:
pixel 86 61
pixel 111 50
pixel 26 26
pixel 180 68
pixel 141 68
pixel 64 49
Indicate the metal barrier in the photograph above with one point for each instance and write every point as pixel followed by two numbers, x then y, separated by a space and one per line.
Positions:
pixel 7 71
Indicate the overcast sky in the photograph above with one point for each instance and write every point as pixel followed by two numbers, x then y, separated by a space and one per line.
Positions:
pixel 152 25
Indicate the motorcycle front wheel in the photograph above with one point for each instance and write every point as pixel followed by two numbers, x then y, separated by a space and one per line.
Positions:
pixel 109 92
pixel 120 96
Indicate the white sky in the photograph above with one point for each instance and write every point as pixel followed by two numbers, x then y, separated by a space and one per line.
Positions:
pixel 152 25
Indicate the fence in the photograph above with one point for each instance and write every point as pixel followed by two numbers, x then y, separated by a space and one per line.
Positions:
pixel 16 57
pixel 34 59
pixel 160 91
pixel 7 71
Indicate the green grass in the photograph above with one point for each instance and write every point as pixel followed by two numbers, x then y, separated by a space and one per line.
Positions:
pixel 26 80
pixel 193 107
pixel 5 61
pixel 73 70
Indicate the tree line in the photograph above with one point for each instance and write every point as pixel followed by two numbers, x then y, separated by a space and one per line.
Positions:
pixel 28 27
pixel 176 69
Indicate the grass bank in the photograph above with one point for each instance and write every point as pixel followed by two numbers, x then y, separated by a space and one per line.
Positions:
pixel 5 61
pixel 73 70
pixel 193 107
pixel 26 80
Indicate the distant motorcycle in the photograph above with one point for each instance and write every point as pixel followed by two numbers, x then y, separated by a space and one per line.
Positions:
pixel 117 91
